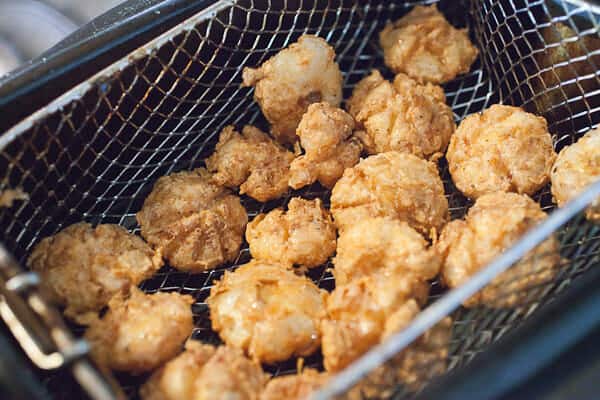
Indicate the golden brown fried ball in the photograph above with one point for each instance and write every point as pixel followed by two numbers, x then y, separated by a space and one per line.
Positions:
pixel 423 45
pixel 295 387
pixel 404 116
pixel 268 311
pixel 383 246
pixel 142 331
pixel 83 267
pixel 325 135
pixel 502 149
pixel 303 236
pixel 252 161
pixel 576 167
pixel 492 225
pixel 195 223
pixel 205 372
pixel 396 185
pixel 286 84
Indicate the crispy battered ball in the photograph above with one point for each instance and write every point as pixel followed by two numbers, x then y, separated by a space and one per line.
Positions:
pixel 404 116
pixel 329 147
pixel 195 223
pixel 268 311
pixel 492 225
pixel 383 246
pixel 503 149
pixel 295 387
pixel 142 331
pixel 396 185
pixel 303 236
pixel 576 167
pixel 252 161
pixel 83 267
pixel 205 372
pixel 423 45
pixel 285 85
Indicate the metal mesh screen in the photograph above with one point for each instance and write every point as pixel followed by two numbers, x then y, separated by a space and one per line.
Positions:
pixel 95 155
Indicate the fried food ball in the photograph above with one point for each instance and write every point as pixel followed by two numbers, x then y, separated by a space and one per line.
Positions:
pixel 576 167
pixel 195 223
pixel 494 223
pixel 303 236
pixel 295 387
pixel 404 116
pixel 383 246
pixel 268 311
pixel 82 267
pixel 503 149
pixel 252 161
pixel 424 45
pixel 396 185
pixel 142 331
pixel 286 84
pixel 325 134
pixel 205 372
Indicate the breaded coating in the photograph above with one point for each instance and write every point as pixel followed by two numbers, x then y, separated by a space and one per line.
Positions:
pixel 325 134
pixel 286 84
pixel 205 372
pixel 404 116
pixel 383 246
pixel 268 311
pixel 396 185
pixel 252 161
pixel 82 267
pixel 502 149
pixel 142 331
pixel 304 236
pixel 492 225
pixel 424 45
pixel 576 167
pixel 195 223
pixel 295 387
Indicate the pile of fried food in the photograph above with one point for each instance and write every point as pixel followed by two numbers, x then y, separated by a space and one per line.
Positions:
pixel 388 226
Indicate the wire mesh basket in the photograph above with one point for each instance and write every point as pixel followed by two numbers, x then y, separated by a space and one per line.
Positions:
pixel 94 153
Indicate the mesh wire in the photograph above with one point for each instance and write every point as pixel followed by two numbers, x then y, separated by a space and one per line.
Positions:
pixel 98 155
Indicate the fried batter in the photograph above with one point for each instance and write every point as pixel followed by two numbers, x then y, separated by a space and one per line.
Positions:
pixel 329 148
pixel 194 222
pixel 141 332
pixel 396 185
pixel 576 167
pixel 303 236
pixel 295 387
pixel 423 45
pixel 492 225
pixel 268 311
pixel 83 267
pixel 285 85
pixel 502 149
pixel 404 116
pixel 252 161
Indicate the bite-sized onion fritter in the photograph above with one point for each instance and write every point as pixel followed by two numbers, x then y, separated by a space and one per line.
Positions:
pixel 141 331
pixel 82 267
pixel 383 246
pixel 396 185
pixel 424 45
pixel 286 84
pixel 205 372
pixel 576 167
pixel 252 161
pixel 502 149
pixel 401 116
pixel 494 223
pixel 268 311
pixel 295 387
pixel 195 223
pixel 329 147
pixel 304 236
